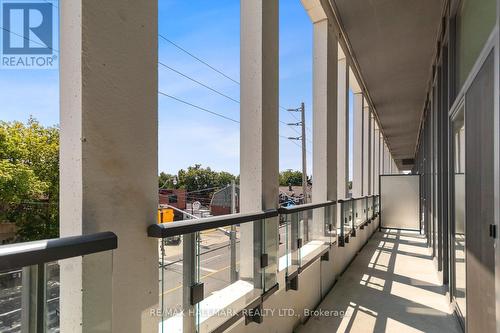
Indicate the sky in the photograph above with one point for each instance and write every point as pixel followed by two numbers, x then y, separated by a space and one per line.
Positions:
pixel 211 31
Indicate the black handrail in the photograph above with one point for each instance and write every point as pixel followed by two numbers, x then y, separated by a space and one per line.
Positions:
pixel 164 230
pixel 189 226
pixel 301 208
pixel 19 255
pixel 358 198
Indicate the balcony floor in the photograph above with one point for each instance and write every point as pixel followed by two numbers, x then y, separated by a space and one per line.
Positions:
pixel 391 286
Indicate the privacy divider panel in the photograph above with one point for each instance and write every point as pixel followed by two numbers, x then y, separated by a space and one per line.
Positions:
pixel 400 201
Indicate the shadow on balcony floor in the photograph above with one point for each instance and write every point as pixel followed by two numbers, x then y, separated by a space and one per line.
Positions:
pixel 391 286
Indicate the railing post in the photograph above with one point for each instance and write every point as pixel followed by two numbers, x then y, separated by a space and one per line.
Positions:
pixel 188 281
pixel 353 219
pixel 340 204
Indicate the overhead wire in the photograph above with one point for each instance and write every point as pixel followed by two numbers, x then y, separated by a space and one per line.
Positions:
pixel 217 91
pixel 216 114
pixel 162 36
pixel 188 77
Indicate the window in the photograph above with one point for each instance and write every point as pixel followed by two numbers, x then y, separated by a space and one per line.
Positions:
pixel 475 21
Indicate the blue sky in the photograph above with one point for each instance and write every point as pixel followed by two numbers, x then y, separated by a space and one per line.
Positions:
pixel 210 30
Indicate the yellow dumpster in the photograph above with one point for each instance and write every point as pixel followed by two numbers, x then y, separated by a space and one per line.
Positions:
pixel 165 215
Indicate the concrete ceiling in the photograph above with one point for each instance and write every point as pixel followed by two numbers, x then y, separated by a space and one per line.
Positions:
pixel 393 42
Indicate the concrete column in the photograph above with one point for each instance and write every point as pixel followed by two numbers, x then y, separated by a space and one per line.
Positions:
pixel 259 148
pixel 374 177
pixel 357 160
pixel 366 148
pixel 325 63
pixel 343 129
pixel 387 159
pixel 109 162
pixel 382 157
pixel 377 158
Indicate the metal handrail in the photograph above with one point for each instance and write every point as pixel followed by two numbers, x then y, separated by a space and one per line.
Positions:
pixel 358 198
pixel 24 254
pixel 301 208
pixel 164 230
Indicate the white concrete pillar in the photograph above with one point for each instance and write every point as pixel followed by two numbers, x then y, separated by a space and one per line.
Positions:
pixel 357 160
pixel 377 158
pixel 325 61
pixel 109 162
pixel 343 129
pixel 259 147
pixel 366 148
pixel 387 159
pixel 374 177
pixel 382 154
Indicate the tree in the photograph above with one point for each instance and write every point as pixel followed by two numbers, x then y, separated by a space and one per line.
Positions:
pixel 197 178
pixel 166 180
pixel 200 183
pixel 290 177
pixel 29 178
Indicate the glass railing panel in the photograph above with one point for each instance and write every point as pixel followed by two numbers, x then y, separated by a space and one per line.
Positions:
pixel 331 223
pixel 210 276
pixel 171 273
pixel 317 235
pixel 225 267
pixel 270 230
pixel 370 207
pixel 290 243
pixel 347 214
pixel 365 213
pixel 359 208
pixel 52 290
pixel 30 296
pixel 11 287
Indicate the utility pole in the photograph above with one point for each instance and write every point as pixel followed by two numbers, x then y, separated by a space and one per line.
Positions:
pixel 302 110
pixel 302 123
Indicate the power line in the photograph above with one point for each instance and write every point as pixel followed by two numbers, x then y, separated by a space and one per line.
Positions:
pixel 214 69
pixel 217 91
pixel 174 70
pixel 33 41
pixel 200 60
pixel 294 142
pixel 198 107
pixel 214 113
pixel 198 82
pixel 180 73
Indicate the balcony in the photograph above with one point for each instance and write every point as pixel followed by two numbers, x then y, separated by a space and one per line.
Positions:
pixel 401 234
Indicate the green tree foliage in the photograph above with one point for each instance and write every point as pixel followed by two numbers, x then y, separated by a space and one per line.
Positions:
pixel 290 177
pixel 166 180
pixel 196 178
pixel 29 178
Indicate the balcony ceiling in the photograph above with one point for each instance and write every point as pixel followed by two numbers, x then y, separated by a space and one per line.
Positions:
pixel 393 42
